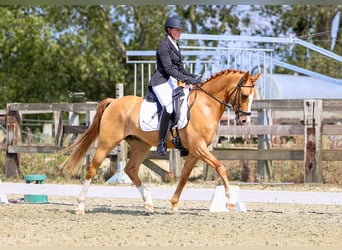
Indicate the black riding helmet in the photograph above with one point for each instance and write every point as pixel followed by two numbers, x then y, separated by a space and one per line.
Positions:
pixel 174 22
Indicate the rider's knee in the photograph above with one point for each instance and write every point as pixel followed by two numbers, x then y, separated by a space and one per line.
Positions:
pixel 169 109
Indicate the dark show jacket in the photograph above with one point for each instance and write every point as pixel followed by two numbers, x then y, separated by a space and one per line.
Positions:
pixel 169 63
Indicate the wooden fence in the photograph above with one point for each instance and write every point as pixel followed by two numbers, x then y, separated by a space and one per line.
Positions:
pixel 311 118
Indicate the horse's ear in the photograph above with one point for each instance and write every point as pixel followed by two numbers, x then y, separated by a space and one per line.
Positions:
pixel 246 75
pixel 256 77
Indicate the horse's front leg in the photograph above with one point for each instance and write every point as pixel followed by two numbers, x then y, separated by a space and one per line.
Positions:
pixel 186 171
pixel 211 160
pixel 221 170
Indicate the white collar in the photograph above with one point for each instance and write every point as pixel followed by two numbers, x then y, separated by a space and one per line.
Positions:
pixel 173 42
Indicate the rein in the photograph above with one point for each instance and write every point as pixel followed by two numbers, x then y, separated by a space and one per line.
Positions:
pixel 228 104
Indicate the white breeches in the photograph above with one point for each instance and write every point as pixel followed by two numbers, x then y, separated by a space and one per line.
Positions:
pixel 164 93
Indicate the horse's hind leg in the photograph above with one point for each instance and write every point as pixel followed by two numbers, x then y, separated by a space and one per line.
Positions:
pixel 139 151
pixel 93 166
pixel 92 169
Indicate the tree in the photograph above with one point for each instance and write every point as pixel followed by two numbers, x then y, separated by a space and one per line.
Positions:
pixel 311 23
pixel 26 56
pixel 49 52
pixel 92 51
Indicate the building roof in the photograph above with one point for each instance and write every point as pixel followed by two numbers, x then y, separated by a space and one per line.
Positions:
pixel 281 86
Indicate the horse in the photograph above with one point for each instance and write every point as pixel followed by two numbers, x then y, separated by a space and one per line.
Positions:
pixel 118 119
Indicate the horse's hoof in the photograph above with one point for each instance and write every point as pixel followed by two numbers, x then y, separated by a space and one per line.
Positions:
pixel 174 210
pixel 175 213
pixel 231 206
pixel 149 208
pixel 79 212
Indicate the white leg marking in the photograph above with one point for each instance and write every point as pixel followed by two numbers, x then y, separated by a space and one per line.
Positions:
pixel 146 196
pixel 250 100
pixel 81 197
pixel 228 195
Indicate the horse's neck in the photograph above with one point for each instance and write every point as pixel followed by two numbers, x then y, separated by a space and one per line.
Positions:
pixel 207 102
pixel 219 87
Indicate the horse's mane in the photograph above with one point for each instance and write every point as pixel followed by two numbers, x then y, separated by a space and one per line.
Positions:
pixel 224 71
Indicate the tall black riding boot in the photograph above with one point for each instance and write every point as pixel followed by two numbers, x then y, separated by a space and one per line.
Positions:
pixel 163 131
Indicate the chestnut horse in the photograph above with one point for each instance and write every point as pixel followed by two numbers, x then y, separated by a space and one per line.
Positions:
pixel 118 119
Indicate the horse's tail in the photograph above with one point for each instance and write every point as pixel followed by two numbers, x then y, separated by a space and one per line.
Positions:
pixel 73 163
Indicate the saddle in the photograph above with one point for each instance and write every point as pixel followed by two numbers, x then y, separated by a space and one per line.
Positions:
pixel 177 102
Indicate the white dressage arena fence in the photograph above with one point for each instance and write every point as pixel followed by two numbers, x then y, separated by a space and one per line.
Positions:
pixel 215 196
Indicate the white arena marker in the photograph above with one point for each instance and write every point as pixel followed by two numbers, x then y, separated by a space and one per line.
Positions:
pixel 219 200
pixel 120 176
pixel 241 207
pixel 3 198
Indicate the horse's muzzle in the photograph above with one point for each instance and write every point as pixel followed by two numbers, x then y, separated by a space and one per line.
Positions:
pixel 242 117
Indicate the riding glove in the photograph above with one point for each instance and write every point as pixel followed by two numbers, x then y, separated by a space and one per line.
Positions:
pixel 192 80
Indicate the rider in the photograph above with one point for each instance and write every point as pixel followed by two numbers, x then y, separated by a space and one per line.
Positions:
pixel 170 70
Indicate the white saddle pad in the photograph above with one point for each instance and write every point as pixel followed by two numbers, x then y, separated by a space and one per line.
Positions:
pixel 148 117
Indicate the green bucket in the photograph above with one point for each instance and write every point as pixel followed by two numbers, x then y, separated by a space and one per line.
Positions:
pixel 35 198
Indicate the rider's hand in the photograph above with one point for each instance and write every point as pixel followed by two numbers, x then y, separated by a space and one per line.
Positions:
pixel 192 80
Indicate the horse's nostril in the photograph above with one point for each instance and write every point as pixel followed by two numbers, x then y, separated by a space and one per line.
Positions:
pixel 241 122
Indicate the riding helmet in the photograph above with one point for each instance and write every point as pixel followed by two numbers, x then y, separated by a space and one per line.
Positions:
pixel 174 22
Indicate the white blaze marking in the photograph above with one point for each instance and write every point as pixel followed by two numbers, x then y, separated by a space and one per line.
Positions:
pixel 250 100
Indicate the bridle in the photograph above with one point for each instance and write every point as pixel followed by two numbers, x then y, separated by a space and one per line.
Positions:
pixel 237 98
